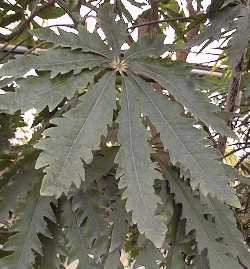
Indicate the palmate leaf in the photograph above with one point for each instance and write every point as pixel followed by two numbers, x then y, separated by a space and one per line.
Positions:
pixel 139 174
pixel 74 138
pixel 18 185
pixel 58 61
pixel 84 40
pixel 76 246
pixel 30 213
pixel 176 78
pixel 39 92
pixel 208 234
pixel 185 143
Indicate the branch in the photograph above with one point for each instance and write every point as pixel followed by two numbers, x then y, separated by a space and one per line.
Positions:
pixel 183 54
pixel 232 97
pixel 65 7
pixel 159 21
pixel 23 25
pixel 234 90
pixel 242 159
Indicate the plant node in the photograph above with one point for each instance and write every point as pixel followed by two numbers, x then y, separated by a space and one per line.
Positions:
pixel 119 65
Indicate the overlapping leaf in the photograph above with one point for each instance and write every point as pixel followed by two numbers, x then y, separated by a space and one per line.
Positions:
pixel 39 92
pixel 176 78
pixel 102 163
pixel 225 220
pixel 149 256
pixel 76 242
pixel 148 46
pixel 115 31
pixel 185 144
pixel 91 216
pixel 30 222
pixel 51 248
pixel 240 39
pixel 74 138
pixel 58 61
pixel 139 174
pixel 120 228
pixel 208 234
pixel 18 186
pixel 84 40
pixel 179 243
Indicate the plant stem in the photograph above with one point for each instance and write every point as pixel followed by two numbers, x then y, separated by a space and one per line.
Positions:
pixel 159 21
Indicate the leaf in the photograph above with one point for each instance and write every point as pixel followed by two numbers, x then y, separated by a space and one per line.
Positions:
pixel 31 212
pixel 148 46
pixel 58 61
pixel 225 220
pixel 51 13
pixel 149 255
pixel 179 243
pixel 119 218
pixel 113 261
pixel 39 92
pixel 76 243
pixel 139 174
pixel 115 31
pixel 101 164
pixel 75 137
pixel 84 40
pixel 214 7
pixel 18 186
pixel 185 143
pixel 240 38
pixel 51 248
pixel 220 255
pixel 176 78
pixel 89 207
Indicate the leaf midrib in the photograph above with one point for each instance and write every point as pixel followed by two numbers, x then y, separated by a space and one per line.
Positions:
pixel 132 152
pixel 84 123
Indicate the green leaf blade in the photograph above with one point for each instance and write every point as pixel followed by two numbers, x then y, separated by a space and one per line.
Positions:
pixel 77 134
pixel 134 161
pixel 84 40
pixel 207 233
pixel 76 244
pixel 32 212
pixel 179 82
pixel 39 92
pixel 57 61
pixel 186 144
